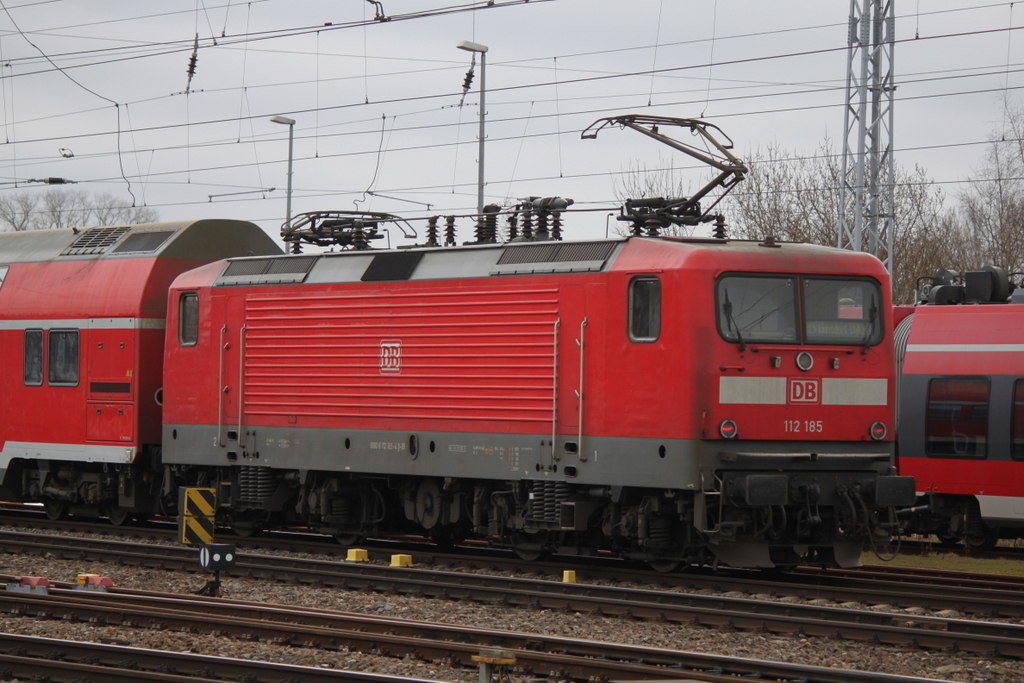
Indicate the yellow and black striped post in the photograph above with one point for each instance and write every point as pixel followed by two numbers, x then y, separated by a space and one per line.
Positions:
pixel 198 510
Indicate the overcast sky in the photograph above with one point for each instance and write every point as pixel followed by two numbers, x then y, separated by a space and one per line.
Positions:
pixel 377 103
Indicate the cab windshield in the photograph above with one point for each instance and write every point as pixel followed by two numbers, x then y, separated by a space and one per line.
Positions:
pixel 799 309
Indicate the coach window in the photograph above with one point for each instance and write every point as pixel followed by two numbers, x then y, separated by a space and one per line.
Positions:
pixel 188 319
pixel 1017 423
pixel 33 358
pixel 63 355
pixel 645 309
pixel 956 425
pixel 3 274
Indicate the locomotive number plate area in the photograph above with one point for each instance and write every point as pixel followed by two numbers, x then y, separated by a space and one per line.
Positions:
pixel 804 426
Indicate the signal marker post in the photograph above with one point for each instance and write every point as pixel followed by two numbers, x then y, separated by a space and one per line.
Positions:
pixel 196 522
pixel 214 557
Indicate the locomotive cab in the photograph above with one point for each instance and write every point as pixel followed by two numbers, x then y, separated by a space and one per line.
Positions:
pixel 797 450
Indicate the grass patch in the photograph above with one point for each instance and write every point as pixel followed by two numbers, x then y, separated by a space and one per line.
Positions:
pixel 952 560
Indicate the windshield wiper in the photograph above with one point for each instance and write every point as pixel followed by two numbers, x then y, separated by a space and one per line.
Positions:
pixel 873 315
pixel 727 309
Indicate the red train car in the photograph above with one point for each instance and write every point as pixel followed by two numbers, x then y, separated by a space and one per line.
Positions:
pixel 961 429
pixel 82 317
pixel 676 400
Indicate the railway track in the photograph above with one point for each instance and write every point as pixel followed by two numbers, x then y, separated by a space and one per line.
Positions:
pixel 536 655
pixel 66 661
pixel 710 611
pixel 992 596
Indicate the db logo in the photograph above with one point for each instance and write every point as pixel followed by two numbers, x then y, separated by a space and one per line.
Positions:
pixel 804 390
pixel 391 356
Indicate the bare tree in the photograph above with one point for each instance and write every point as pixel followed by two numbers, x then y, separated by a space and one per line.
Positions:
pixel 788 197
pixel 57 208
pixel 992 206
pixel 796 198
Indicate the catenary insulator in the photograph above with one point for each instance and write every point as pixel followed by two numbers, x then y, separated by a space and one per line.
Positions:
pixel 432 232
pixel 449 231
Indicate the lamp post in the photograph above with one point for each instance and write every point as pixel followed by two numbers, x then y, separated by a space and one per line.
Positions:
pixel 284 120
pixel 482 49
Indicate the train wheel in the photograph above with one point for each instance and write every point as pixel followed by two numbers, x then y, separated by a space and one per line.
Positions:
pixel 530 547
pixel 983 541
pixel 665 565
pixel 118 516
pixel 55 509
pixel 244 525
pixel 350 539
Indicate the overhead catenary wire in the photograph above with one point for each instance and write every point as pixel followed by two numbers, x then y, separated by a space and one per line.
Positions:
pixel 558 117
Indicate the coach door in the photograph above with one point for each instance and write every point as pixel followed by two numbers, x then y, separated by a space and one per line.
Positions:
pixel 109 357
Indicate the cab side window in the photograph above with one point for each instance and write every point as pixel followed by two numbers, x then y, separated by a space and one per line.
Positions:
pixel 188 319
pixel 33 367
pixel 645 308
pixel 63 358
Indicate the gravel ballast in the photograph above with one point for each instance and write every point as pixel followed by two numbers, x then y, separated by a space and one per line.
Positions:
pixel 813 651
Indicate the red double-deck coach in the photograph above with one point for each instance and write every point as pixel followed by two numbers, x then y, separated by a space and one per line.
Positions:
pixel 82 317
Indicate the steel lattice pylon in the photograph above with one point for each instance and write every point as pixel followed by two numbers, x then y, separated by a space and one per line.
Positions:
pixel 866 221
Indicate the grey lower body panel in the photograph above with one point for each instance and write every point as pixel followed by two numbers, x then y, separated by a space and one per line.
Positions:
pixel 656 463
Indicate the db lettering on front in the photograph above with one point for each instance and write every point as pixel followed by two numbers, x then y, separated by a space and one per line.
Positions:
pixel 802 390
pixel 391 356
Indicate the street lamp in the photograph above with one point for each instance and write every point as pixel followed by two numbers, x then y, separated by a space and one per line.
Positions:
pixel 482 49
pixel 284 120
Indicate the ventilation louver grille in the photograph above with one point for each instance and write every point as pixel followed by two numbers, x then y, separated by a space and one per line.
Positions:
pixel 143 242
pixel 550 258
pixel 95 241
pixel 267 270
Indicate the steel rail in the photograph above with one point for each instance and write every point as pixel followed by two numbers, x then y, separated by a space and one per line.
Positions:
pixel 714 611
pixel 67 661
pixel 980 595
pixel 535 654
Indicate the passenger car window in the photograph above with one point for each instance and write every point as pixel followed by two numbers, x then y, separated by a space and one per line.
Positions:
pixel 645 309
pixel 188 319
pixel 3 274
pixel 33 368
pixel 956 424
pixel 63 356
pixel 1017 421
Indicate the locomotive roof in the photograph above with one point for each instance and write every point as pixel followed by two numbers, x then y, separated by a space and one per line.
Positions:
pixel 213 238
pixel 534 258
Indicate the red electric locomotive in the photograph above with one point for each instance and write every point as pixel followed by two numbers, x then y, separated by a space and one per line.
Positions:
pixel 82 317
pixel 676 400
pixel 961 419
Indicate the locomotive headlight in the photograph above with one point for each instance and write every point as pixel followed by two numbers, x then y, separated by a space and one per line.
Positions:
pixel 728 429
pixel 878 431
